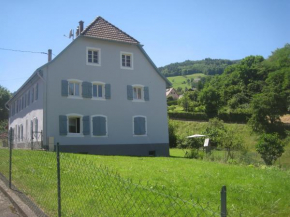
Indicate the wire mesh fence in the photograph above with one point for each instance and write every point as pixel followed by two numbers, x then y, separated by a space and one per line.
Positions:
pixel 84 189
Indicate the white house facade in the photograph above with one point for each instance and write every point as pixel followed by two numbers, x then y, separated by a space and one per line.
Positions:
pixel 101 95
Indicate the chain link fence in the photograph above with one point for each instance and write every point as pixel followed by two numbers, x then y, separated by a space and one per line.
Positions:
pixel 63 184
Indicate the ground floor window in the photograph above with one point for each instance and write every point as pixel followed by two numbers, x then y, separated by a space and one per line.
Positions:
pixel 74 124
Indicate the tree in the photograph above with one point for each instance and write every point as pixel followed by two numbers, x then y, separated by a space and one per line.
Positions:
pixel 270 148
pixel 172 135
pixel 210 98
pixel 4 97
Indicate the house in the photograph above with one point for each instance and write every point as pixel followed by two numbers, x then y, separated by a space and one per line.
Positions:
pixel 101 95
pixel 171 92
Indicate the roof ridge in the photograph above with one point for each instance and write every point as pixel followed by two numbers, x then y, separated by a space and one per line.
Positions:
pixel 112 25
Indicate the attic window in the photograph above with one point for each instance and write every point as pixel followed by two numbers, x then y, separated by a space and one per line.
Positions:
pixel 93 56
pixel 126 60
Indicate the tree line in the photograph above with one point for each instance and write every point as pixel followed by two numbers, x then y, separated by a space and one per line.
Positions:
pixel 207 66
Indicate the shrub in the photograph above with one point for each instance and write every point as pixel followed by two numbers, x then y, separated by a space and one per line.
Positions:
pixel 172 135
pixel 270 148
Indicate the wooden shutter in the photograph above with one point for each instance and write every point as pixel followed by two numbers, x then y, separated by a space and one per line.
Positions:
pixel 86 125
pixel 129 92
pixel 87 89
pixel 108 91
pixel 139 126
pixel 63 125
pixel 36 92
pixel 36 125
pixel 146 93
pixel 99 126
pixel 64 88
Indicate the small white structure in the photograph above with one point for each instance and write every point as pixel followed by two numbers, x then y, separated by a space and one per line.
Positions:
pixel 206 141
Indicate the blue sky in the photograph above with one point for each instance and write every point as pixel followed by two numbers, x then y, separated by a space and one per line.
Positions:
pixel 171 31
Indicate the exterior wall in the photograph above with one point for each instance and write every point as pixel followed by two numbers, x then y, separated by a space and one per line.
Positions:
pixel 71 64
pixel 31 112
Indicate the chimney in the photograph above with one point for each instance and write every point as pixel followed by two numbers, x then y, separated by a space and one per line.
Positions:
pixel 81 26
pixel 77 32
pixel 49 54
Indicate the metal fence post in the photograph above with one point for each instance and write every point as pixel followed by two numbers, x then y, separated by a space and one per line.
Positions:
pixel 58 180
pixel 41 137
pixel 10 155
pixel 224 201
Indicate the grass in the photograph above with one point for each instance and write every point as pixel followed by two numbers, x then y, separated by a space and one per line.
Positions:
pixel 88 189
pixel 181 81
pixel 250 139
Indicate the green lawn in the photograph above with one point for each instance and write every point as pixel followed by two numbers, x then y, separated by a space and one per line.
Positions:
pixel 178 81
pixel 88 189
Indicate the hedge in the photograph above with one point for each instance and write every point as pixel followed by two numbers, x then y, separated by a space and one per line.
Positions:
pixel 173 102
pixel 198 116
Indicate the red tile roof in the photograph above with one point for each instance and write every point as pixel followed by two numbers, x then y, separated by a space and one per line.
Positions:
pixel 101 28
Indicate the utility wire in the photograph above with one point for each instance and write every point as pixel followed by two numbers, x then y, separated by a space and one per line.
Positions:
pixel 23 51
pixel 14 79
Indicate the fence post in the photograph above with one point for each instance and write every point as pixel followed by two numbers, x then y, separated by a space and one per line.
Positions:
pixel 10 155
pixel 224 201
pixel 58 180
pixel 31 140
pixel 41 137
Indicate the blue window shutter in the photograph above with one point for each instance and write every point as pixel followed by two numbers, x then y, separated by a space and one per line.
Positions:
pixel 139 126
pixel 146 93
pixel 129 92
pixel 87 89
pixel 64 88
pixel 36 94
pixel 86 125
pixel 108 91
pixel 99 126
pixel 63 125
pixel 36 125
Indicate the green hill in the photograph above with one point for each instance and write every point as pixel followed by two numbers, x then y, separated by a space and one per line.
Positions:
pixel 207 66
pixel 186 81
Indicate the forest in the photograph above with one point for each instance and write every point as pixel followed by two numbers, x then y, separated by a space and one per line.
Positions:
pixel 207 66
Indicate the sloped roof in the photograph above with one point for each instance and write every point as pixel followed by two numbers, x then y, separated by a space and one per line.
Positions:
pixel 101 28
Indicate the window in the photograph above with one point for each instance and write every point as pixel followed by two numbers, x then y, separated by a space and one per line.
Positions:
pixel 74 88
pixel 139 126
pixel 137 93
pixel 99 125
pixel 93 56
pixel 98 90
pixel 74 125
pixel 36 92
pixel 126 60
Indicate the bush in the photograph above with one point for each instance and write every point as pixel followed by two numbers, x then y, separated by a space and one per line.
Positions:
pixel 174 102
pixel 270 148
pixel 188 116
pixel 172 135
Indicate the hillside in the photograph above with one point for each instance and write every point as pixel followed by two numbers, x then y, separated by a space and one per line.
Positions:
pixel 207 66
pixel 186 81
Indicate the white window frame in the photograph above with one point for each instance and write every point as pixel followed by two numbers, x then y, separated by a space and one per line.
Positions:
pixel 132 60
pixel 74 115
pixel 80 88
pixel 142 92
pixel 91 126
pixel 103 90
pixel 99 56
pixel 135 116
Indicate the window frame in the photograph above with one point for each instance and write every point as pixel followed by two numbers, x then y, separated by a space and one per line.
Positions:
pixel 99 56
pixel 131 60
pixel 135 116
pixel 103 90
pixel 80 89
pixel 142 93
pixel 74 115
pixel 91 125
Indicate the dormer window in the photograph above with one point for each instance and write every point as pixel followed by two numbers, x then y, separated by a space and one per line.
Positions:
pixel 126 60
pixel 93 56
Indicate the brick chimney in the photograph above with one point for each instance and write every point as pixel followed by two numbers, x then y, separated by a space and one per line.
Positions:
pixel 49 54
pixel 81 26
